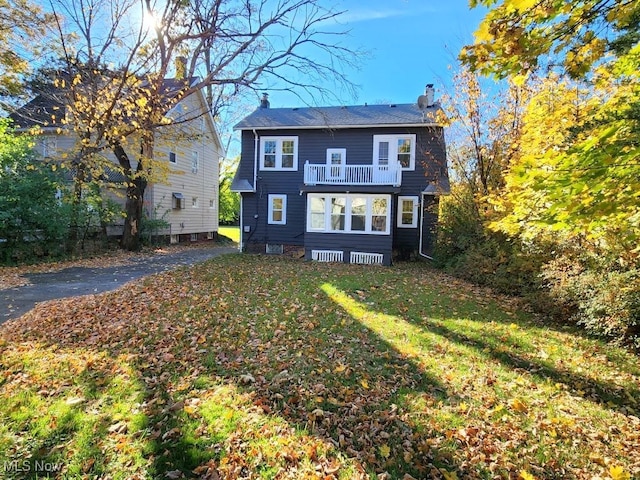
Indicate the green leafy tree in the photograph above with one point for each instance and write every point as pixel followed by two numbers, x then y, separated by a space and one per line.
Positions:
pixel 33 221
pixel 229 204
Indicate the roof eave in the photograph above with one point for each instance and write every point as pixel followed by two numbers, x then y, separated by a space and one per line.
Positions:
pixel 324 127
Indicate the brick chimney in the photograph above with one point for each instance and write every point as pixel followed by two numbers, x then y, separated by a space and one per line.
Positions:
pixel 264 102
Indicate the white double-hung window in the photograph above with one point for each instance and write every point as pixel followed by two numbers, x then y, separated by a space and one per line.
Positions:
pixel 407 212
pixel 279 153
pixel 348 213
pixel 277 209
pixel 391 149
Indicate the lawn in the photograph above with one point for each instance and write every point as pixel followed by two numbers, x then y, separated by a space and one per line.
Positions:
pixel 268 367
pixel 232 233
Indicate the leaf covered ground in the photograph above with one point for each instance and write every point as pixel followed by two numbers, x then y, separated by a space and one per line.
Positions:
pixel 267 367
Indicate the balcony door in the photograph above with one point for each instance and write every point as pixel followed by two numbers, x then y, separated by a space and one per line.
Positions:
pixel 336 161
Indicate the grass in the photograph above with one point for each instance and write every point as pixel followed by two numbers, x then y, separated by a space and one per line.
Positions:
pixel 268 367
pixel 233 233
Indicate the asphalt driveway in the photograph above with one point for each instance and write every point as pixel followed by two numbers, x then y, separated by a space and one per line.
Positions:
pixel 77 281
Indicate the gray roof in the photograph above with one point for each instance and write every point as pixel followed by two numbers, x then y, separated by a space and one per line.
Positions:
pixel 47 109
pixel 357 116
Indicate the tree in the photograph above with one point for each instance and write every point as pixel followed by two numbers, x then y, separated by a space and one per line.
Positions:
pixel 115 70
pixel 30 216
pixel 520 36
pixel 579 175
pixel 20 22
pixel 229 204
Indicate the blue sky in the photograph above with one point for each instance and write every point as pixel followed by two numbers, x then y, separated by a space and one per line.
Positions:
pixel 410 43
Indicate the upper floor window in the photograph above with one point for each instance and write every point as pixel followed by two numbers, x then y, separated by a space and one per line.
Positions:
pixel 49 146
pixel 195 162
pixel 388 149
pixel 172 157
pixel 279 153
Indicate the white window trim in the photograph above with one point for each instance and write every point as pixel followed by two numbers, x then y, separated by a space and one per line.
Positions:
pixel 342 167
pixel 279 140
pixel 414 214
pixel 347 221
pixel 273 197
pixel 195 202
pixel 393 148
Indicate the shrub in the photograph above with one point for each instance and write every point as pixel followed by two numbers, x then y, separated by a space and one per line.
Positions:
pixel 604 294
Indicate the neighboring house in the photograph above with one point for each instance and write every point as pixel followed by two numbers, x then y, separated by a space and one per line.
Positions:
pixel 356 184
pixel 188 200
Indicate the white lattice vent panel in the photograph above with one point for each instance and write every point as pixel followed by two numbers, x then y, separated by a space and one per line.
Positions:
pixel 366 258
pixel 327 255
pixel 275 248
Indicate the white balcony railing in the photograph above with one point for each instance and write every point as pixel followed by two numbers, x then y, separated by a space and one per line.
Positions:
pixel 352 175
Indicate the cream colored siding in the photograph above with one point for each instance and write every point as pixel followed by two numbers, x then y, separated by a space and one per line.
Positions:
pixel 202 185
pixel 194 136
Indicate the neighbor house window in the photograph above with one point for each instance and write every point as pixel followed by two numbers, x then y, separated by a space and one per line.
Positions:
pixel 194 202
pixel 172 157
pixel 389 149
pixel 177 200
pixel 279 153
pixel 407 212
pixel 195 162
pixel 49 146
pixel 277 209
pixel 212 203
pixel 348 213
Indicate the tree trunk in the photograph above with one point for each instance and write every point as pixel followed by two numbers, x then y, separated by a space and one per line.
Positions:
pixel 136 185
pixel 133 215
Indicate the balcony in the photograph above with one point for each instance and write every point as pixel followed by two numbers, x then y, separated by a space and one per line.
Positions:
pixel 352 175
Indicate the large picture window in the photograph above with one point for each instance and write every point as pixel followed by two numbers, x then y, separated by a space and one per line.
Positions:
pixel 348 213
pixel 395 148
pixel 279 153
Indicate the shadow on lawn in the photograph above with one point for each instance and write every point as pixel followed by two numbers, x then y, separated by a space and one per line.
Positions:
pixel 604 393
pixel 326 376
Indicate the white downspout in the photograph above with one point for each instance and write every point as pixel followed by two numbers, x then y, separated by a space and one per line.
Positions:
pixel 255 160
pixel 241 243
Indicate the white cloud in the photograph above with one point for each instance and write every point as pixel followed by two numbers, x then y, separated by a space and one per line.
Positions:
pixel 362 14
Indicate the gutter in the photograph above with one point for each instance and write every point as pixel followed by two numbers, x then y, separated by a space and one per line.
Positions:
pixel 255 160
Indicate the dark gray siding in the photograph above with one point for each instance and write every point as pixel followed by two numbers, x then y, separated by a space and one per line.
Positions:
pixel 349 243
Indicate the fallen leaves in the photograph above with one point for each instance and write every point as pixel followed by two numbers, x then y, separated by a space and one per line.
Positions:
pixel 247 365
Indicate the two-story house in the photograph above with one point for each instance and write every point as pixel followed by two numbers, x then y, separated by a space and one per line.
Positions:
pixel 355 184
pixel 187 199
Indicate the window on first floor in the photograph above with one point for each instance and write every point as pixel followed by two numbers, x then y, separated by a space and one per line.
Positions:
pixel 277 209
pixel 195 203
pixel 177 200
pixel 407 212
pixel 348 213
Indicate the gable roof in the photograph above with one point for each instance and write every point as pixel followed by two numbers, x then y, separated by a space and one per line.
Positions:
pixel 47 109
pixel 357 116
